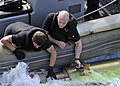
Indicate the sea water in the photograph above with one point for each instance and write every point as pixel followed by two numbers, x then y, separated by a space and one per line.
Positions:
pixel 19 76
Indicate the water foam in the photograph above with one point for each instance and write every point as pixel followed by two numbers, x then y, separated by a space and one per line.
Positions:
pixel 19 76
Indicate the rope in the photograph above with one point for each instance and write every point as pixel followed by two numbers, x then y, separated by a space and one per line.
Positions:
pixel 97 9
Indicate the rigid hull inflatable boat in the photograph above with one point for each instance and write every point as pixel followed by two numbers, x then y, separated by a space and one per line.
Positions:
pixel 99 36
pixel 96 42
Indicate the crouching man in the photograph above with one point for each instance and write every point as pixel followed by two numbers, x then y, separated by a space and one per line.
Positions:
pixel 61 27
pixel 29 38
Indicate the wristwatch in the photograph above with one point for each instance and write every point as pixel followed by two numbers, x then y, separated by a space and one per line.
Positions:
pixel 77 58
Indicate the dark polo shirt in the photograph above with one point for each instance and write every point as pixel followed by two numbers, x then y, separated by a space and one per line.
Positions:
pixel 69 32
pixel 22 36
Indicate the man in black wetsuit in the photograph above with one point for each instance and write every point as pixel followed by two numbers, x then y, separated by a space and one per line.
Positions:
pixel 29 38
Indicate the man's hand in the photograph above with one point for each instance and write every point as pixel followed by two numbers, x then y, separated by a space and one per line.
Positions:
pixel 77 61
pixel 51 73
pixel 19 54
pixel 61 44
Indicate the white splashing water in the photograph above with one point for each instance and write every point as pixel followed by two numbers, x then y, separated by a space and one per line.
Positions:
pixel 19 76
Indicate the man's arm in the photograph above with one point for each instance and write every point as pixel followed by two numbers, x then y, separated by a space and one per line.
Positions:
pixel 78 49
pixel 60 44
pixel 53 55
pixel 7 41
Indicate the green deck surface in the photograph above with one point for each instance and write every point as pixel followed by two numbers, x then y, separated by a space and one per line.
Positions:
pixel 103 73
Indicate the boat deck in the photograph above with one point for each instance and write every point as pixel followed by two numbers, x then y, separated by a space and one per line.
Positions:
pixel 115 8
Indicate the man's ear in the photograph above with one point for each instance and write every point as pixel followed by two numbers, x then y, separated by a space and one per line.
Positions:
pixel 57 13
pixel 32 39
pixel 57 18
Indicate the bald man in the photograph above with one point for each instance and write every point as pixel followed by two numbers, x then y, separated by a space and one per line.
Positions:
pixel 61 27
